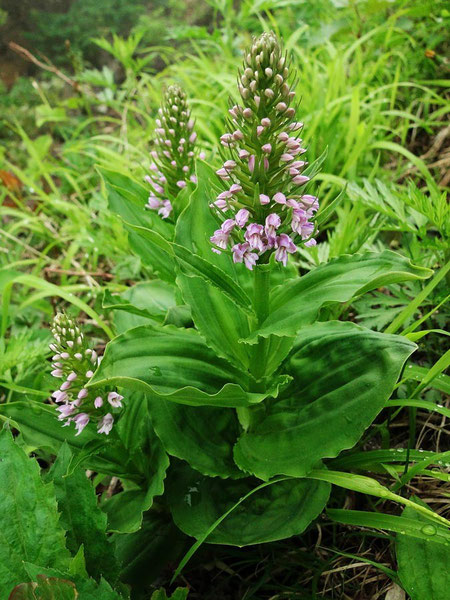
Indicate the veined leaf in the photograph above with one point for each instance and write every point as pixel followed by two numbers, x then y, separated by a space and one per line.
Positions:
pixel 173 364
pixel 343 375
pixel 127 198
pixel 40 428
pixel 275 512
pixel 30 528
pixel 298 302
pixel 81 517
pixel 201 435
pixel 221 322
pixel 134 428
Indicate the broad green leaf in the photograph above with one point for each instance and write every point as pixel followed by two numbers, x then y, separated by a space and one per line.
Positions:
pixel 151 550
pixel 221 322
pixel 201 435
pixel 30 528
pixel 297 303
pixel 342 376
pixel 46 588
pixel 134 428
pixel 197 223
pixel 423 566
pixel 40 428
pixel 192 264
pixel 127 198
pixel 278 511
pixel 173 364
pixel 151 299
pixel 81 517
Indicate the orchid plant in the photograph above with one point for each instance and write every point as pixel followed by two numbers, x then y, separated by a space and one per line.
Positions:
pixel 241 387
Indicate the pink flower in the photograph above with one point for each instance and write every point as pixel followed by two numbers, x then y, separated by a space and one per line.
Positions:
pixel 81 420
pixel 235 188
pixel 283 136
pixel 229 164
pixel 228 226
pixel 265 122
pixel 295 126
pixel 286 157
pixel 284 244
pixel 98 402
pixel 310 243
pixel 253 236
pixel 82 394
pixel 300 179
pixel 221 204
pixel 273 221
pixel 59 396
pixel 247 112
pixel 244 153
pixel 242 217
pixel 267 148
pixel 165 209
pixel 153 202
pixel 226 139
pixel 281 106
pixel 181 184
pixel 238 135
pixel 279 198
pixel 259 130
pixel 115 399
pixel 310 202
pixel 223 174
pixel 220 237
pixel 192 137
pixel 251 163
pixel 241 253
pixel 105 425
pixel 264 199
pixel 65 411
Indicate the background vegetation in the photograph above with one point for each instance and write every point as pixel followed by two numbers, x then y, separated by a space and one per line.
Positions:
pixel 372 75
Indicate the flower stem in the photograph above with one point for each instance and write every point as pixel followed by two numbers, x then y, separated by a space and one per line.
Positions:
pixel 261 299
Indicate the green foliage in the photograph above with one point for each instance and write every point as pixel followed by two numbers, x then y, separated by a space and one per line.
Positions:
pixel 81 518
pixel 30 523
pixel 423 566
pixel 268 414
pixel 82 20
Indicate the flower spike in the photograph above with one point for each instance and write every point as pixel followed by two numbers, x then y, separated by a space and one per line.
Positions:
pixel 174 157
pixel 262 173
pixel 74 362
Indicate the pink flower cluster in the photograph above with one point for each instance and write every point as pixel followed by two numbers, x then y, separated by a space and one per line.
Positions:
pixel 75 363
pixel 173 164
pixel 263 208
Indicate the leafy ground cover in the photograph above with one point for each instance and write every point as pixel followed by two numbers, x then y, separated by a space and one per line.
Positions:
pixel 338 486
